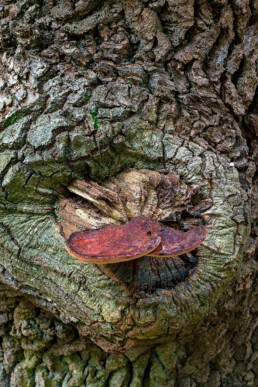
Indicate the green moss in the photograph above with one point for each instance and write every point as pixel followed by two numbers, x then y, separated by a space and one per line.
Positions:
pixel 94 116
pixel 15 117
pixel 56 210
pixel 88 96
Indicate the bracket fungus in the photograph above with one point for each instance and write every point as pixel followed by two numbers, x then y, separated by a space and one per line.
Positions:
pixel 174 242
pixel 139 237
pixel 115 243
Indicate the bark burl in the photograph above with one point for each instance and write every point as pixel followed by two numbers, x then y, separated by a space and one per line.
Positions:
pixel 110 110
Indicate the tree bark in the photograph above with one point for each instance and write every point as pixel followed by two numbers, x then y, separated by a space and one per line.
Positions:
pixel 109 110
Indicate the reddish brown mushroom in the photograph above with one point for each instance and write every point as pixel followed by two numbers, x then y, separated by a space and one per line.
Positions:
pixel 115 243
pixel 174 242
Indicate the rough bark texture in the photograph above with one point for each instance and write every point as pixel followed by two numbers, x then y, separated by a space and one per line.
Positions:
pixel 100 102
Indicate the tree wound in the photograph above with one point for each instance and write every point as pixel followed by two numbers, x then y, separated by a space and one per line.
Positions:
pixel 132 194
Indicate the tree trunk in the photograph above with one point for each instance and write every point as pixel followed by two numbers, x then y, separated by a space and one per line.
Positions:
pixel 109 110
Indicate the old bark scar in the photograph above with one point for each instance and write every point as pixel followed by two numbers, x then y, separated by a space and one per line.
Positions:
pixel 115 243
pixel 174 242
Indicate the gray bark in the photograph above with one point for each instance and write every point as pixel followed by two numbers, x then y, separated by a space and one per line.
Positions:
pixel 101 103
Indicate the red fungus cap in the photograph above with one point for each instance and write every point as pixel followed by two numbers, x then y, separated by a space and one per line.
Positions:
pixel 115 243
pixel 174 242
